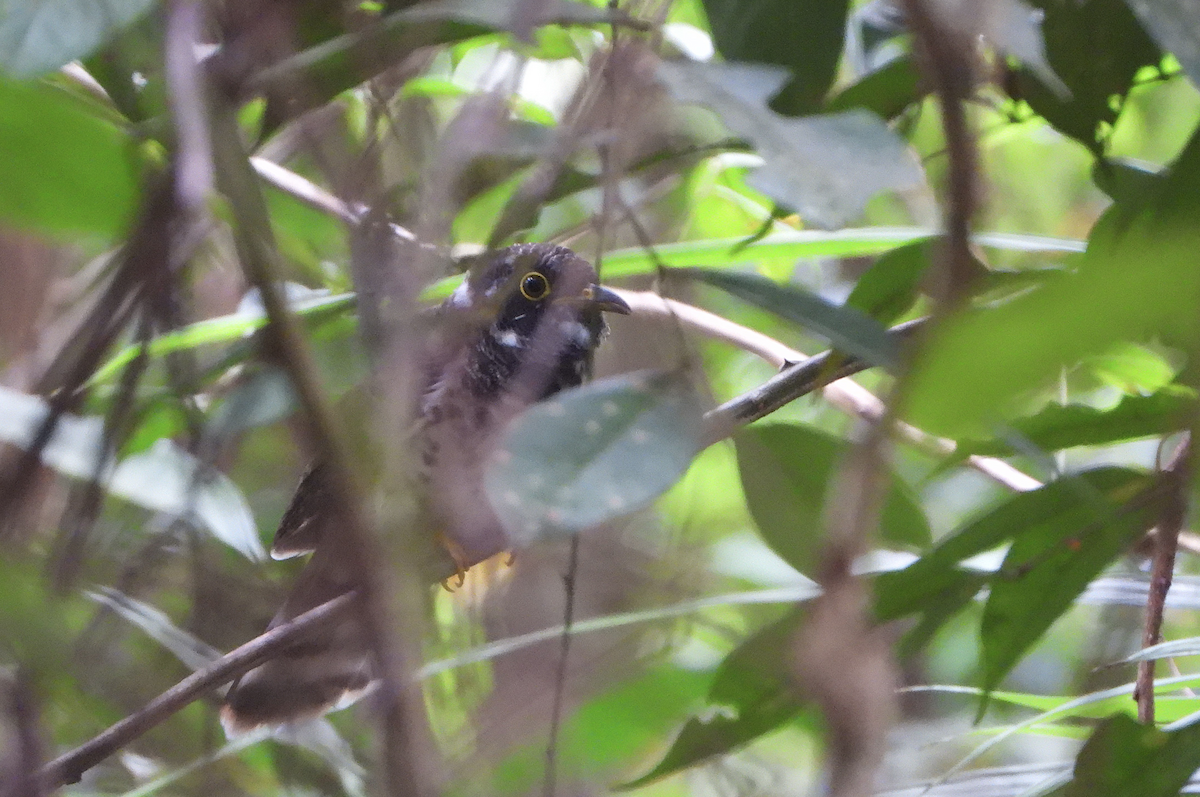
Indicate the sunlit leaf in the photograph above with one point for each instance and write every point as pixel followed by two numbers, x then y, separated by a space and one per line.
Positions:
pixel 826 167
pixel 593 453
pixel 1175 24
pixel 69 172
pixel 1137 280
pixel 786 470
pixel 1095 48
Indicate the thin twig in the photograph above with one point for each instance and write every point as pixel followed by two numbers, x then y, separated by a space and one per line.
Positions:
pixel 1166 539
pixel 550 783
pixel 69 767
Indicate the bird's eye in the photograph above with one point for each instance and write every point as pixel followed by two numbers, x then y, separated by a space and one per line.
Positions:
pixel 534 286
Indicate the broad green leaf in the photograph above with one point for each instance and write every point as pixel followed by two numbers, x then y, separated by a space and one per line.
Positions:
pixel 593 453
pixel 1060 426
pixel 786 470
pixel 63 170
pixel 38 36
pixel 164 478
pixel 1077 499
pixel 886 92
pixel 1049 565
pixel 1175 25
pixel 889 288
pixel 1137 280
pixel 752 694
pixel 826 167
pixel 1131 368
pixel 804 36
pixel 1096 47
pixel 1124 758
pixel 847 329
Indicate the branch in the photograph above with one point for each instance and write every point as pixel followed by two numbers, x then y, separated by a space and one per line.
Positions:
pixel 1166 543
pixel 69 767
pixel 801 375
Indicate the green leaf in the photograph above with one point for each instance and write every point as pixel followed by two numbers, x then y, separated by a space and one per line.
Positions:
pixel 1136 281
pixel 593 453
pixel 826 167
pixel 1175 25
pixel 886 92
pixel 804 36
pixel 1060 426
pixel 1076 499
pixel 786 470
pixel 1096 47
pixel 846 328
pixel 164 478
pixel 1049 565
pixel 1124 758
pixel 890 287
pixel 340 63
pixel 38 36
pixel 63 169
pixel 751 695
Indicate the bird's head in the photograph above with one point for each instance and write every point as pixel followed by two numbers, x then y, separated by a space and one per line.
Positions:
pixel 544 311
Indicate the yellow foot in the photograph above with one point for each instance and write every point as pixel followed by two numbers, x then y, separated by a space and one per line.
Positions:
pixel 459 556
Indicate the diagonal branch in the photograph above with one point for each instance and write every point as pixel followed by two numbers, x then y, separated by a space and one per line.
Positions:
pixel 69 767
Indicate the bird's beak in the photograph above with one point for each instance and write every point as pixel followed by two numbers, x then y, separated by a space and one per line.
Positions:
pixel 605 299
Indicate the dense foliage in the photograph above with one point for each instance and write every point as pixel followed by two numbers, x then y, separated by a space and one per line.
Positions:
pixel 932 560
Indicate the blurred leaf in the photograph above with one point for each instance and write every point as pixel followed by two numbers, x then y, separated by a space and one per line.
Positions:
pixel 1096 47
pixel 1175 24
pixel 890 287
pixel 1049 565
pixel 1060 426
pixel 1125 180
pixel 593 453
pixel 1068 504
pixel 1131 368
pixel 337 64
pixel 262 399
pixel 886 92
pixel 751 695
pixel 846 328
pixel 69 172
pixel 786 470
pixel 1015 30
pixel 163 479
pixel 1189 646
pixel 224 329
pixel 804 36
pixel 41 35
pixel 786 248
pixel 168 479
pixel 826 167
pixel 192 651
pixel 1137 280
pixel 1124 758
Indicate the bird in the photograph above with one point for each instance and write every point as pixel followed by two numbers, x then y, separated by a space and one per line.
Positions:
pixel 520 328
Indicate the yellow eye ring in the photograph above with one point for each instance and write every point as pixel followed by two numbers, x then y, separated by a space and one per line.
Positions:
pixel 534 286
